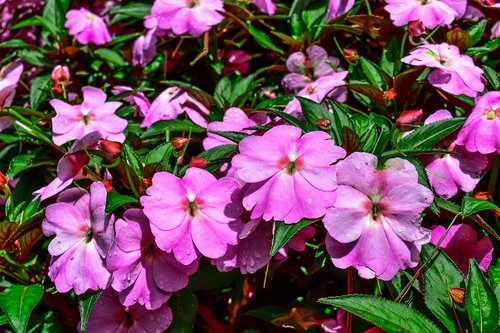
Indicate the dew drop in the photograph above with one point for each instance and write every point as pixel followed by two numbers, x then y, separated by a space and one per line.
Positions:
pixel 309 200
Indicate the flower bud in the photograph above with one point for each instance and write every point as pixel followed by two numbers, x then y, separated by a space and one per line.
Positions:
pixel 324 124
pixel 179 143
pixel 390 94
pixel 482 195
pixel 416 28
pixel 351 54
pixel 457 295
pixel 111 147
pixel 147 182
pixel 458 37
pixel 60 74
pixel 408 119
pixel 197 162
pixel 3 180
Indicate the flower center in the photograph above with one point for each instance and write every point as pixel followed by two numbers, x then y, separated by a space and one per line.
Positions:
pixel 90 17
pixel 149 250
pixel 291 168
pixel 128 321
pixel 88 236
pixel 192 3
pixel 492 113
pixel 375 208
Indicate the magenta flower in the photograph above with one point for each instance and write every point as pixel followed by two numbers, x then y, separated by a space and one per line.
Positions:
pixel 335 325
pixel 480 132
pixel 431 13
pixel 9 77
pixel 289 177
pixel 171 103
pixel 142 273
pixel 87 27
pixel 109 316
pixel 133 97
pixel 461 244
pixel 338 8
pixel 236 60
pixel 265 6
pixel 454 73
pixel 235 119
pixel 185 16
pixel 144 49
pixel 94 114
pixel 202 212
pixel 375 223
pixel 83 235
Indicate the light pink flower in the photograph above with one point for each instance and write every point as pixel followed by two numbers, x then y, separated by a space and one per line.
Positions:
pixel 94 114
pixel 335 325
pixel 109 316
pixel 461 244
pixel 134 97
pixel 87 27
pixel 289 176
pixel 144 49
pixel 431 13
pixel 9 77
pixel 83 235
pixel 374 225
pixel 338 8
pixel 235 120
pixel 142 273
pixel 265 6
pixel 171 103
pixel 185 16
pixel 202 211
pixel 60 74
pixel 454 73
pixel 481 131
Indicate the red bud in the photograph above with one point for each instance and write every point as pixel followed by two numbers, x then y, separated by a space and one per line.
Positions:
pixel 197 162
pixel 179 143
pixel 457 295
pixel 3 179
pixel 482 195
pixel 324 124
pixel 351 54
pixel 390 94
pixel 408 119
pixel 416 28
pixel 111 147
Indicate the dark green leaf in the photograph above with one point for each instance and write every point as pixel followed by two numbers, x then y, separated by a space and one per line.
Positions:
pixel 233 90
pixel 38 90
pixel 471 205
pixel 232 136
pixel 174 125
pixel 429 135
pixel 476 31
pixel 17 302
pixel 132 159
pixel 218 153
pixel 390 61
pixel 86 306
pixel 111 56
pixel 184 306
pixel 487 47
pixel 389 316
pixel 159 153
pixel 283 232
pixel 55 11
pixel 492 76
pixel 50 324
pixel 34 57
pixel 480 300
pixel 115 200
pixel 313 111
pixel 292 120
pixel 22 163
pixel 209 277
pixel 14 43
pixel 372 72
pixel 135 10
pixel 263 39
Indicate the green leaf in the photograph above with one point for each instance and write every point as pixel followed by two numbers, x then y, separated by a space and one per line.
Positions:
pixel 283 232
pixel 34 57
pixel 439 277
pixel 14 43
pixel 17 302
pixel 159 153
pixel 313 111
pixel 134 10
pixel 184 306
pixel 429 135
pixel 487 47
pixel 390 61
pixel 235 137
pixel 111 56
pixel 372 72
pixel 115 200
pixel 86 306
pixel 55 11
pixel 263 39
pixel 476 32
pixel 133 159
pixel 480 300
pixel 38 90
pixel 388 315
pixel 22 163
pixel 233 90
pixel 292 120
pixel 174 125
pixel 471 205
pixel 492 76
pixel 217 155
pixel 209 277
pixel 51 324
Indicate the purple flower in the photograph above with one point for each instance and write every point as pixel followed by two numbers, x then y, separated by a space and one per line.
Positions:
pixel 338 8
pixel 481 131
pixel 87 27
pixel 265 6
pixel 235 119
pixel 335 325
pixel 375 223
pixel 431 13
pixel 142 273
pixel 133 97
pixel 9 77
pixel 109 316
pixel 83 235
pixel 289 176
pixel 171 103
pixel 94 114
pixel 461 244
pixel 144 49
pixel 185 16
pixel 454 73
pixel 202 212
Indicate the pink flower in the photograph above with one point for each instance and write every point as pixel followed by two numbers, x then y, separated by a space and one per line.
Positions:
pixel 87 27
pixel 202 212
pixel 296 243
pixel 142 273
pixel 171 103
pixel 235 120
pixel 431 13
pixel 289 177
pixel 133 97
pixel 481 131
pixel 144 49
pixel 9 77
pixel 83 237
pixel 109 316
pixel 338 8
pixel 60 74
pixel 335 325
pixel 185 16
pixel 265 6
pixel 94 114
pixel 454 73
pixel 375 223
pixel 461 244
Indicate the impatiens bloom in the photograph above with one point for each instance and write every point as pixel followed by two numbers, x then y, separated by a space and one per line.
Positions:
pixel 109 316
pixel 481 131
pixel 133 97
pixel 375 222
pixel 453 72
pixel 235 119
pixel 9 77
pixel 461 244
pixel 430 12
pixel 338 8
pixel 236 60
pixel 335 325
pixel 142 273
pixel 201 213
pixel 449 172
pixel 83 235
pixel 265 6
pixel 94 114
pixel 87 27
pixel 289 176
pixel 185 16
pixel 144 49
pixel 171 103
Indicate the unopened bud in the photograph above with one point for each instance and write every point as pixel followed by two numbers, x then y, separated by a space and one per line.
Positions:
pixel 60 74
pixel 416 28
pixel 179 143
pixel 324 124
pixel 111 147
pixel 482 195
pixel 459 37
pixel 408 119
pixel 351 54
pixel 198 162
pixel 146 182
pixel 457 295
pixel 108 185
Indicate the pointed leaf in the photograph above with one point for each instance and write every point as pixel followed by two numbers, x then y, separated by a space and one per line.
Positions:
pixel 283 232
pixel 17 302
pixel 427 136
pixel 115 200
pixel 86 306
pixel 471 206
